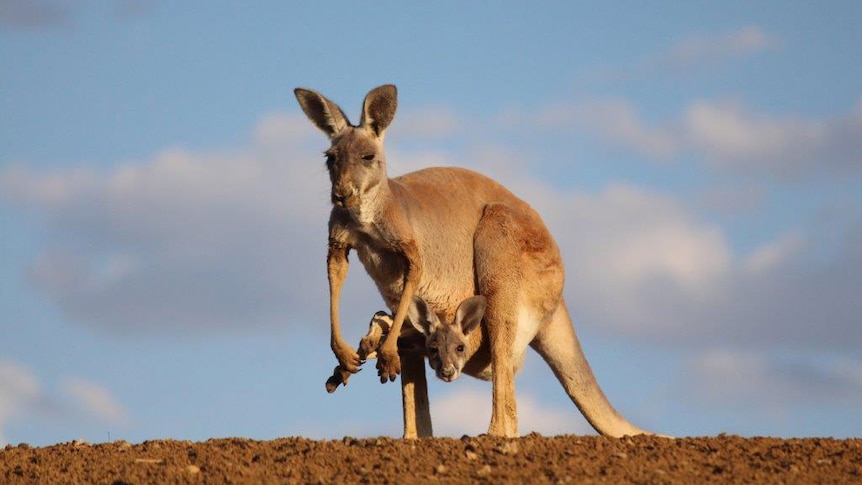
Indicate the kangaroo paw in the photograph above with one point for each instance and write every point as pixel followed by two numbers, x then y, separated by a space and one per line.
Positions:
pixel 388 364
pixel 339 377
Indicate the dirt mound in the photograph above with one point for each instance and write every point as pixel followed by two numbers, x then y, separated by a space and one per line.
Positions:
pixel 531 459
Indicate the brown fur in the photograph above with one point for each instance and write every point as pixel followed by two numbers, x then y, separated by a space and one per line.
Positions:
pixel 445 234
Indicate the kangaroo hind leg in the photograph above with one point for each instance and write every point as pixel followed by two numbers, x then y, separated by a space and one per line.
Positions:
pixel 499 280
pixel 559 347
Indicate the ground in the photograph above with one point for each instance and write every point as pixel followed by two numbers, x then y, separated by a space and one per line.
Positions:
pixel 531 459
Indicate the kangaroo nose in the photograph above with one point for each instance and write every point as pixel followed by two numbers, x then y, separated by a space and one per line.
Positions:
pixel 448 371
pixel 338 198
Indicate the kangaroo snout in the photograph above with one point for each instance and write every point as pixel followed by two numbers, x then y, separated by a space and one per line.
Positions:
pixel 448 374
pixel 344 199
pixel 338 199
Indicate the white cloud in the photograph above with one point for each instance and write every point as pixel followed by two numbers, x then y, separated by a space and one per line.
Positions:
pixel 184 240
pixel 467 410
pixel 95 400
pixel 633 236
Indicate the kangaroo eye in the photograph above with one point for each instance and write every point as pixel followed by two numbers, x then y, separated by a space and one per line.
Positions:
pixel 368 157
pixel 330 159
pixel 432 350
pixel 460 349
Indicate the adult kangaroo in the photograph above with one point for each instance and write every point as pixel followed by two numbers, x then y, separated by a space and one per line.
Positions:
pixel 416 235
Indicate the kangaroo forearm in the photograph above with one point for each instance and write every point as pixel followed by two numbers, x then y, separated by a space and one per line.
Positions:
pixel 337 266
pixel 411 282
pixel 401 313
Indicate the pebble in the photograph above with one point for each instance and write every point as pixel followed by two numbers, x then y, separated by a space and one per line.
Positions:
pixel 193 469
pixel 508 448
pixel 484 471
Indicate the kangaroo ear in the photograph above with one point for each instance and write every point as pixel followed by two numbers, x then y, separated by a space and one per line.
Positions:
pixel 378 109
pixel 469 313
pixel 421 317
pixel 325 114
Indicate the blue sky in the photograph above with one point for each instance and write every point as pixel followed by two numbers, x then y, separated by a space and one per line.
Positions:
pixel 163 205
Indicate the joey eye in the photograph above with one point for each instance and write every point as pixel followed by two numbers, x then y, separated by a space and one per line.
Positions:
pixel 330 159
pixel 368 157
pixel 460 349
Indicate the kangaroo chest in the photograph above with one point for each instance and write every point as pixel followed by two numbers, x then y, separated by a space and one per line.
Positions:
pixel 384 265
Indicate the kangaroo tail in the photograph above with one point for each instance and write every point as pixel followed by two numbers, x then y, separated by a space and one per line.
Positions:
pixel 557 343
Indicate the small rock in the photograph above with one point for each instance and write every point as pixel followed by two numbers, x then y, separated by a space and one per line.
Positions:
pixel 508 448
pixel 441 469
pixel 485 471
pixel 149 461
pixel 193 469
pixel 79 443
pixel 621 455
pixel 471 455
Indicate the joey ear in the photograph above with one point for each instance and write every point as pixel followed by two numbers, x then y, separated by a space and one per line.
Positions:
pixel 421 317
pixel 325 114
pixel 378 109
pixel 469 313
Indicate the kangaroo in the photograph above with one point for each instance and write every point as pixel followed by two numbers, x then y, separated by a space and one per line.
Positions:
pixel 421 234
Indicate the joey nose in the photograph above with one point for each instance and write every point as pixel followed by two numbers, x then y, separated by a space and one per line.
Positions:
pixel 338 199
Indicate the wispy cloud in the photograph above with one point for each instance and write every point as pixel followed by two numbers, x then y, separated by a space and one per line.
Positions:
pixel 95 400
pixel 732 136
pixel 721 376
pixel 614 121
pixel 432 123
pixel 693 53
pixel 18 391
pixel 23 398
pixel 33 14
pixel 727 135
pixel 715 47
